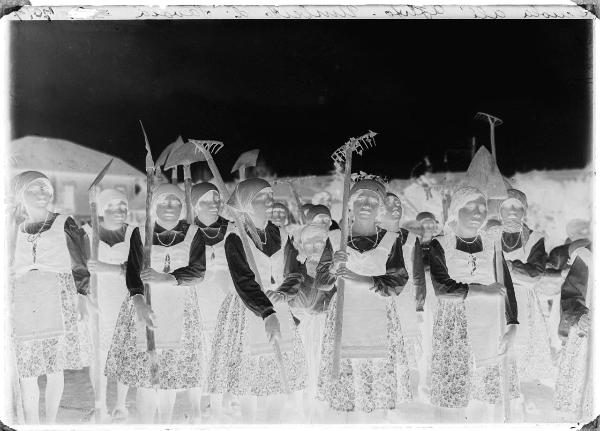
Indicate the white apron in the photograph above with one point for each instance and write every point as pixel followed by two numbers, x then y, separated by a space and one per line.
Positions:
pixel 37 306
pixel 216 285
pixel 523 284
pixel 270 269
pixel 405 302
pixel 168 301
pixel 365 325
pixel 485 315
pixel 112 289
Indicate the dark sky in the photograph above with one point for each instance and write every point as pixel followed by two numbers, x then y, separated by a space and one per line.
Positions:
pixel 299 89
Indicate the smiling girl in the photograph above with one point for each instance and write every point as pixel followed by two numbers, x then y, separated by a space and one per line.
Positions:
pixel 178 264
pixel 115 235
pixel 374 372
pixel 462 270
pixel 51 284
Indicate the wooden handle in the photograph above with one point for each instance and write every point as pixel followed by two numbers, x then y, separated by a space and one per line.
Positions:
pixel 97 364
pixel 301 215
pixel 188 201
pixel 504 364
pixel 340 284
pixel 147 256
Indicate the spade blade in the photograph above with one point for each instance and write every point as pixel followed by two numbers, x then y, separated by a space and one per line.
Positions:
pixel 245 160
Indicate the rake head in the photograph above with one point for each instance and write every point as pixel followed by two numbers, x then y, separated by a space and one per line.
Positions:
pixel 205 146
pixel 356 145
pixel 488 117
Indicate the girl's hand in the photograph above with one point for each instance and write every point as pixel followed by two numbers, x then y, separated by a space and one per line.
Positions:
pixel 152 276
pixel 97 266
pixel 272 328
pixel 507 340
pixel 275 296
pixel 348 274
pixel 339 258
pixel 144 312
pixel 583 326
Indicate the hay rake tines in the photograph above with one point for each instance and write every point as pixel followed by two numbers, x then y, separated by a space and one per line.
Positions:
pixel 357 145
pixel 212 147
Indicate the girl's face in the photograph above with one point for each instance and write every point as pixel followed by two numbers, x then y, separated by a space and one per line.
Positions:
pixel 313 245
pixel 261 204
pixel 429 225
pixel 168 208
pixel 115 212
pixel 278 216
pixel 472 216
pixel 512 210
pixel 208 205
pixel 393 208
pixel 321 219
pixel 37 195
pixel 365 206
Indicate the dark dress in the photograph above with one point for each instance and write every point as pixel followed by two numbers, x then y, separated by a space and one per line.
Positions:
pixel 181 252
pixel 455 379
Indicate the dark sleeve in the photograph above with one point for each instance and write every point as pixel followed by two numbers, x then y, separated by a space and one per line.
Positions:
pixel 324 280
pixel 536 261
pixel 419 276
pixel 396 276
pixel 299 291
pixel 135 261
pixel 443 285
pixel 511 300
pixel 193 273
pixel 78 246
pixel 245 284
pixel 572 296
pixel 291 264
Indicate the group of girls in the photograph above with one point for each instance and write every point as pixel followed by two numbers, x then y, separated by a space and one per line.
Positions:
pixel 247 312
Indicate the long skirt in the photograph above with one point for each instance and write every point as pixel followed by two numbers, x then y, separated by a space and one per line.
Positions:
pixel 233 369
pixel 177 368
pixel 365 384
pixel 532 343
pixel 572 369
pixel 64 352
pixel 454 378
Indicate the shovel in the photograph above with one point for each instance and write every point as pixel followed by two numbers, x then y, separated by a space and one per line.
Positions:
pixel 184 154
pixel 245 160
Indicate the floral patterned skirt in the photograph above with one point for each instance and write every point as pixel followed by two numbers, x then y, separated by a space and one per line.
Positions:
pixel 177 368
pixel 52 355
pixel 572 368
pixel 233 369
pixel 454 378
pixel 532 343
pixel 365 384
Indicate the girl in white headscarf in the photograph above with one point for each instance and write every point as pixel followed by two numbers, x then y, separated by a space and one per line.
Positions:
pixel 526 257
pixel 177 266
pixel 114 234
pixel 217 281
pixel 243 361
pixel 51 282
pixel 374 373
pixel 467 325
